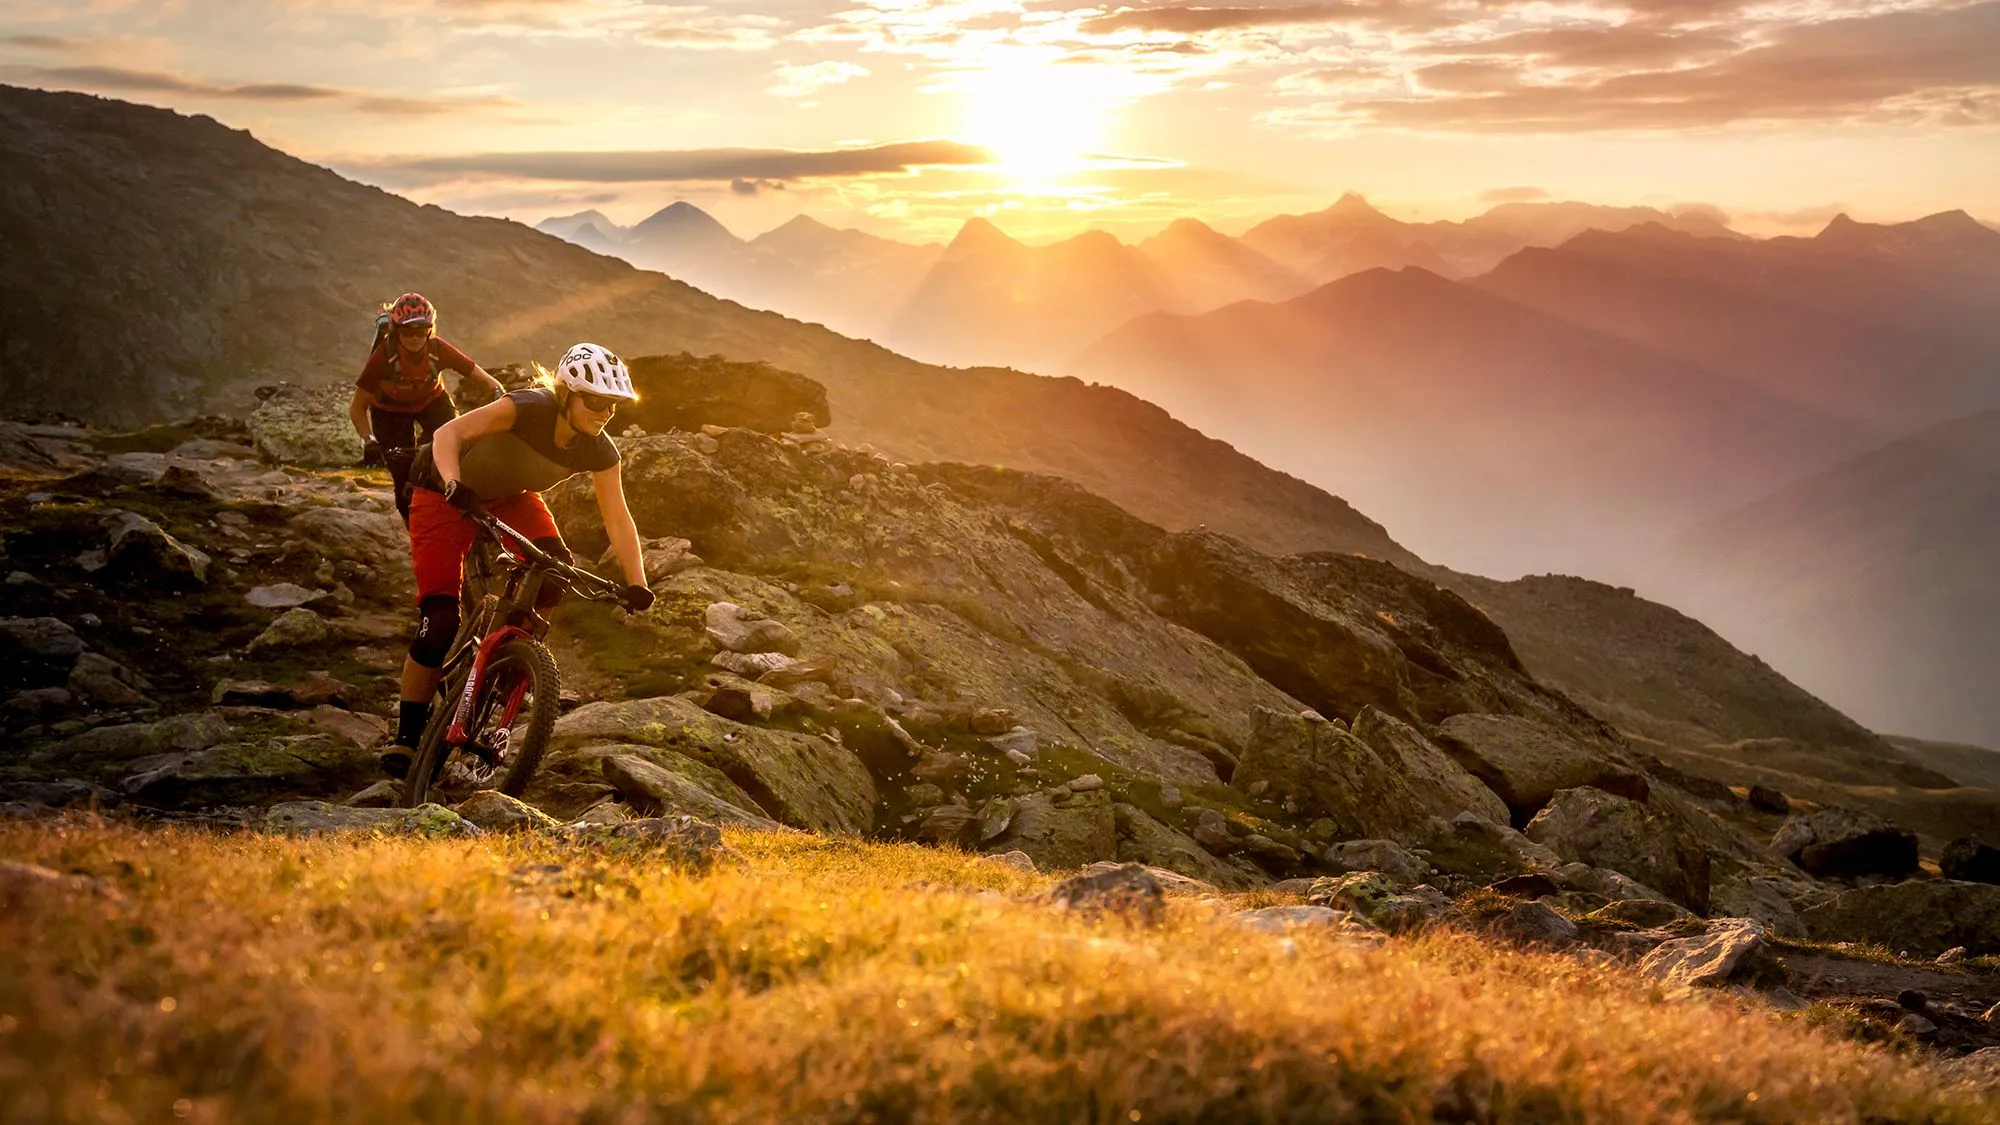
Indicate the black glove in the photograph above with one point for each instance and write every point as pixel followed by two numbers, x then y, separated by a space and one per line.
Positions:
pixel 371 452
pixel 635 599
pixel 461 497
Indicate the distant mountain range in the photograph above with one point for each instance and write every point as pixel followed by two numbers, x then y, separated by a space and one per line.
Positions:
pixel 1875 582
pixel 989 299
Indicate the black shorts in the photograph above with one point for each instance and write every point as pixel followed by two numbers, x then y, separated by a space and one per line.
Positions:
pixel 396 430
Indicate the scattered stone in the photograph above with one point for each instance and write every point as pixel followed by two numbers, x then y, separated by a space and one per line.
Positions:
pixel 752 665
pixel 143 551
pixel 1537 924
pixel 940 767
pixel 494 811
pixel 1088 783
pixel 1952 956
pixel 683 842
pixel 1142 839
pixel 37 651
pixel 1970 859
pixel 282 595
pixel 1916 1026
pixel 1386 856
pixel 1837 842
pixel 105 682
pixel 384 794
pixel 37 703
pixel 1644 913
pixel 1019 861
pixel 1083 830
pixel 1377 898
pixel 994 818
pixel 1171 880
pixel 295 628
pixel 1129 891
pixel 992 720
pixel 1018 743
pixel 1768 900
pixel 602 813
pixel 735 629
pixel 1730 951
pixel 1763 798
pixel 313 818
pixel 947 825
pixel 362 730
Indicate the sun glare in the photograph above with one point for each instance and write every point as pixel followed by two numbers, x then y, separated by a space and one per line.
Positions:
pixel 1040 119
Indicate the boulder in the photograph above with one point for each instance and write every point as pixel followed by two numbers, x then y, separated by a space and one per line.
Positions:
pixel 295 425
pixel 1471 846
pixel 1142 839
pixel 798 779
pixel 1767 900
pixel 374 539
pixel 1970 860
pixel 1731 951
pixel 1282 919
pixel 1595 827
pixel 1325 771
pixel 1535 923
pixel 1128 891
pixel 124 742
pixel 685 392
pixel 1081 830
pixel 1385 856
pixel 247 771
pixel 1645 913
pixel 1445 787
pixel 102 681
pixel 1526 761
pixel 947 825
pixel 142 552
pixel 1173 881
pixel 1845 843
pixel 672 785
pixel 1924 917
pixel 1763 798
pixel 494 811
pixel 735 629
pixel 294 628
pixel 37 651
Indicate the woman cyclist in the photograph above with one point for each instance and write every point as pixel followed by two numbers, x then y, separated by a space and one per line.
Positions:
pixel 502 457
pixel 401 389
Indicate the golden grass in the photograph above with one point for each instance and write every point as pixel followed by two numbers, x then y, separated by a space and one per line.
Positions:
pixel 249 978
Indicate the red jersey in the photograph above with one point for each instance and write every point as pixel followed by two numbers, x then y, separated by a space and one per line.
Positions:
pixel 405 387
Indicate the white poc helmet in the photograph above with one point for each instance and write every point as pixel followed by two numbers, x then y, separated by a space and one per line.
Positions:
pixel 594 370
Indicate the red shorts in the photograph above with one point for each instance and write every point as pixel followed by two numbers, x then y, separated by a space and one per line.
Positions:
pixel 440 535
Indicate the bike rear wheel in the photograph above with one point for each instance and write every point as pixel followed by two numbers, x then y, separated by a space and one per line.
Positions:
pixel 507 727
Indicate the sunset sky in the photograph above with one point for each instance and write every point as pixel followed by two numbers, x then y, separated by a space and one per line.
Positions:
pixel 904 117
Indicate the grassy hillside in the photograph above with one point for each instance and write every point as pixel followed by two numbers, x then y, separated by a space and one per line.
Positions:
pixel 821 979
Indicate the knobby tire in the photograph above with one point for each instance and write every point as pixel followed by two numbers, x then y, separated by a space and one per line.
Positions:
pixel 524 756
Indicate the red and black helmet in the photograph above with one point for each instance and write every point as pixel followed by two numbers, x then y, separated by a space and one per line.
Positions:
pixel 412 308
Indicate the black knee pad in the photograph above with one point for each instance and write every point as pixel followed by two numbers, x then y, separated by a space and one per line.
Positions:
pixel 437 625
pixel 552 592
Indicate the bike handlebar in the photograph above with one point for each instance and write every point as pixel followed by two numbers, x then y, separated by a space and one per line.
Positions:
pixel 607 591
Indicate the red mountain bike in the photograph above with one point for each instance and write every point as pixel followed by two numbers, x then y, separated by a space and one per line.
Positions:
pixel 497 699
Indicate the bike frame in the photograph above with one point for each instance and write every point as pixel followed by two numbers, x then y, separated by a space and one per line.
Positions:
pixel 515 610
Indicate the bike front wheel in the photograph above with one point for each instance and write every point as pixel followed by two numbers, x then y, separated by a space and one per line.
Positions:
pixel 507 728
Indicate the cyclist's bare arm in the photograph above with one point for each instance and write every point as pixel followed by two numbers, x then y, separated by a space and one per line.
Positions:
pixel 493 418
pixel 618 525
pixel 357 412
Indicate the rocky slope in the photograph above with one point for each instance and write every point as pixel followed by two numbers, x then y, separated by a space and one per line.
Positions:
pixel 215 264
pixel 969 656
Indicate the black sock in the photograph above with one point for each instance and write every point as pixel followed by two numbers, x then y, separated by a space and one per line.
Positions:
pixel 410 721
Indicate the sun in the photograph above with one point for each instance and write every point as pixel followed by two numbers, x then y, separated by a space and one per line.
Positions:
pixel 1042 120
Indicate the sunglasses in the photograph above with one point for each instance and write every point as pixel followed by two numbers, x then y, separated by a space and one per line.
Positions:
pixel 597 404
pixel 415 329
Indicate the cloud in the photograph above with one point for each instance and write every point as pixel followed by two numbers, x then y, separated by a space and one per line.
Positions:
pixel 60 44
pixel 1939 66
pixel 801 81
pixel 126 80
pixel 1601 46
pixel 740 186
pixel 716 164
pixel 1512 195
pixel 1189 20
pixel 691 27
pixel 161 82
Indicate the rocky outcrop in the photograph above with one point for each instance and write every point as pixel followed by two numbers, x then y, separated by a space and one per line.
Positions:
pixel 1731 951
pixel 1924 917
pixel 1315 768
pixel 672 785
pixel 1970 859
pixel 1068 833
pixel 798 779
pixel 684 392
pixel 1526 761
pixel 1844 842
pixel 1441 783
pixel 1648 844
pixel 1143 839
pixel 296 425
